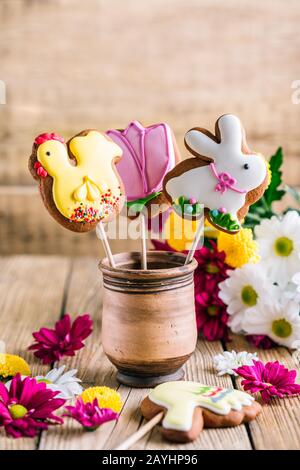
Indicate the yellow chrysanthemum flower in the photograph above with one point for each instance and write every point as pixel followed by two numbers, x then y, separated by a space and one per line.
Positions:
pixel 107 397
pixel 179 232
pixel 269 174
pixel 10 365
pixel 240 248
pixel 210 231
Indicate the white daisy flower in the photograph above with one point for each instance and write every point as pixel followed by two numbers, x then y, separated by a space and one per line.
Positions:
pixel 245 287
pixel 65 383
pixel 227 361
pixel 280 321
pixel 279 246
pixel 291 291
pixel 296 280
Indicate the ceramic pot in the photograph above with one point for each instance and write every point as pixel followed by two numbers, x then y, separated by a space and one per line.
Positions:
pixel 148 320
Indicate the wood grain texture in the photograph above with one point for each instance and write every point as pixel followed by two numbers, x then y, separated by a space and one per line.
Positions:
pixel 28 228
pixel 85 296
pixel 278 426
pixel 31 294
pixel 200 369
pixel 35 291
pixel 184 62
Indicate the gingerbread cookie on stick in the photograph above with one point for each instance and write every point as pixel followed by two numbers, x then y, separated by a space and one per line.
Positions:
pixel 185 408
pixel 148 154
pixel 225 177
pixel 78 181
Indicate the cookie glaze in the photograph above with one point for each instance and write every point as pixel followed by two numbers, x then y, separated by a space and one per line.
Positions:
pixel 148 154
pixel 88 188
pixel 181 398
pixel 230 171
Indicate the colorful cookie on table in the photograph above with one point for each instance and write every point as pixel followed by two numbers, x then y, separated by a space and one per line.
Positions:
pixel 191 406
pixel 225 178
pixel 149 153
pixel 78 181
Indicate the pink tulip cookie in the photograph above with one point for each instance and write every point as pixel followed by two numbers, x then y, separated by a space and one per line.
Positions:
pixel 225 177
pixel 149 153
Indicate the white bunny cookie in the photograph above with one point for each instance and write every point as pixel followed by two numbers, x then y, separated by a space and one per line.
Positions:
pixel 226 178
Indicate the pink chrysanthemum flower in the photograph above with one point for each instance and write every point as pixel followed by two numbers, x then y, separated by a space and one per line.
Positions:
pixel 211 262
pixel 211 312
pixel 261 341
pixel 66 338
pixel 211 315
pixel 271 380
pixel 27 407
pixel 90 415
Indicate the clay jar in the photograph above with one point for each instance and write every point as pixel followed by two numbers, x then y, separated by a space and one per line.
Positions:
pixel 148 321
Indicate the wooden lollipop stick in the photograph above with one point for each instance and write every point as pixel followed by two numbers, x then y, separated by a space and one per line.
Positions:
pixel 141 432
pixel 102 236
pixel 195 243
pixel 143 222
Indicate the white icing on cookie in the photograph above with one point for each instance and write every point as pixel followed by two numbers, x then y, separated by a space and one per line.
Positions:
pixel 182 397
pixel 226 183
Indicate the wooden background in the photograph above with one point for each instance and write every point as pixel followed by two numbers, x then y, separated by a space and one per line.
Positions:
pixel 73 64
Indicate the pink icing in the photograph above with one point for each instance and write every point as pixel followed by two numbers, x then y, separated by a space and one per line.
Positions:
pixel 40 170
pixel 40 139
pixel 148 154
pixel 225 181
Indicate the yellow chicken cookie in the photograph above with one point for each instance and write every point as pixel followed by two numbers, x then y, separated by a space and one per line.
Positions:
pixel 79 183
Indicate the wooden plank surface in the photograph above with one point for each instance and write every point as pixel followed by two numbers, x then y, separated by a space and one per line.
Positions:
pixel 84 295
pixel 200 369
pixel 31 295
pixel 28 228
pixel 232 56
pixel 35 291
pixel 278 426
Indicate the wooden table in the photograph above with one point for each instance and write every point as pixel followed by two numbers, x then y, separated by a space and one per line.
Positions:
pixel 36 291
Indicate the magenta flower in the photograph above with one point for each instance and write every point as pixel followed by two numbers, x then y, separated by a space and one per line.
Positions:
pixel 211 262
pixel 27 407
pixel 66 338
pixel 211 315
pixel 161 245
pixel 90 415
pixel 211 312
pixel 271 380
pixel 261 341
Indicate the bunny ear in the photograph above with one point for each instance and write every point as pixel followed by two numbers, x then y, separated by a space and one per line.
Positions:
pixel 230 130
pixel 200 144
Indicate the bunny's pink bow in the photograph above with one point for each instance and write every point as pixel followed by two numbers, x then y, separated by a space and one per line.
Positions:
pixel 225 181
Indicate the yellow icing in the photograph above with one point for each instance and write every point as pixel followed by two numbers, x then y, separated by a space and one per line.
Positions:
pixel 87 191
pixel 181 398
pixel 90 188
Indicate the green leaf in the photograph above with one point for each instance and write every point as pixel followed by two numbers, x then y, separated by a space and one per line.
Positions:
pixel 262 209
pixel 272 193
